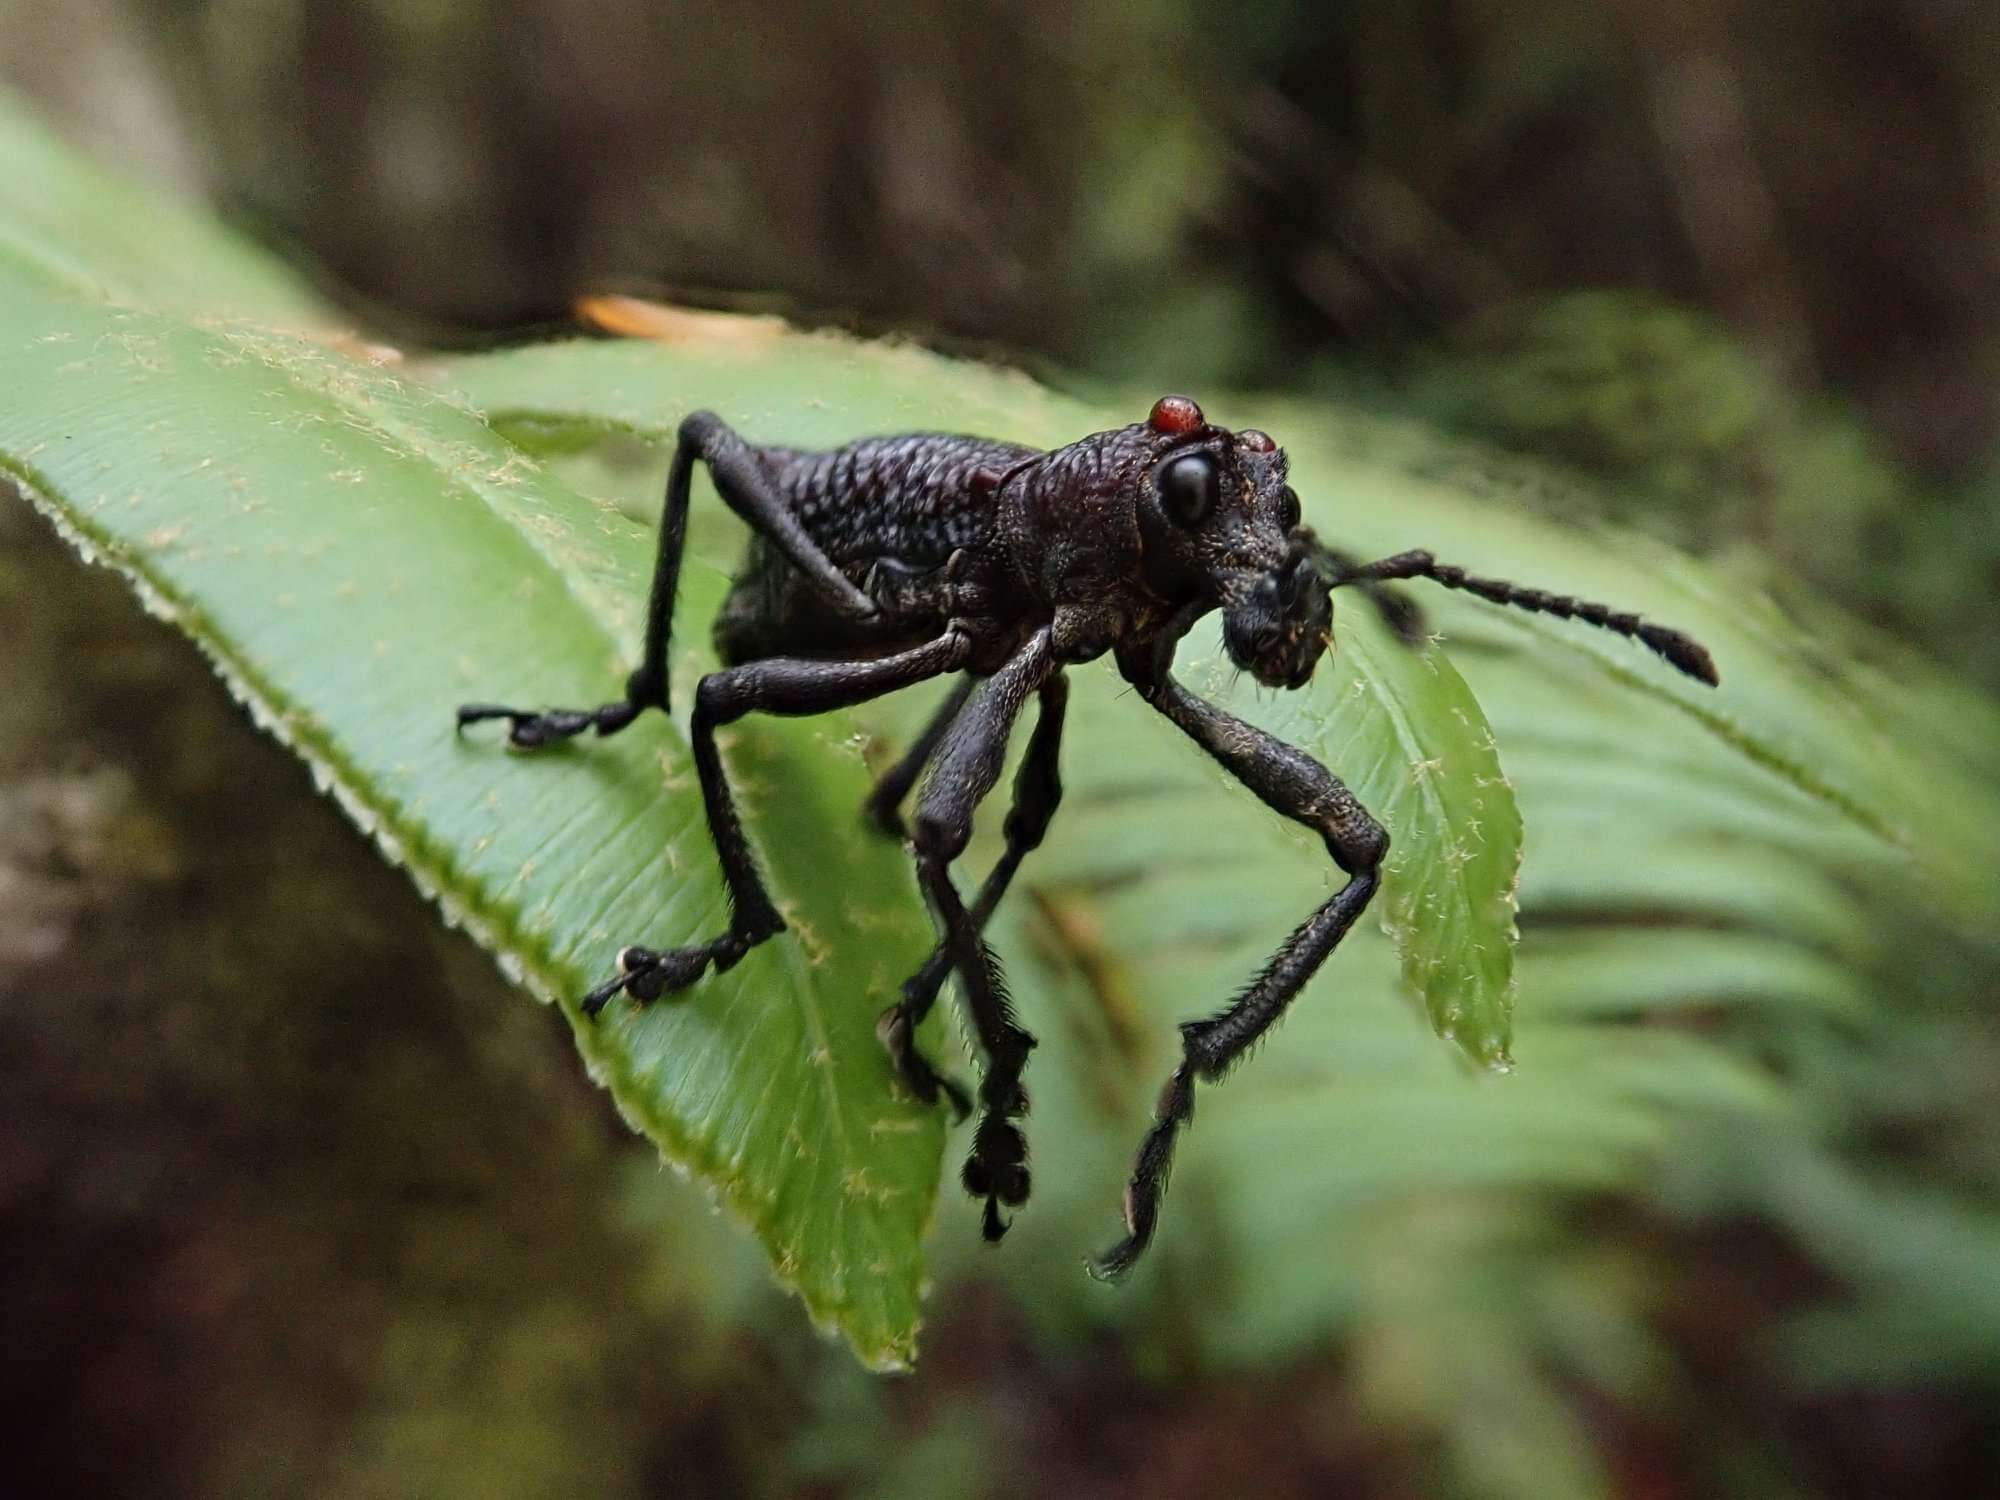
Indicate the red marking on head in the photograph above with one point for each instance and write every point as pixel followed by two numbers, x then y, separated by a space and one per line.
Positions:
pixel 1176 415
pixel 1255 441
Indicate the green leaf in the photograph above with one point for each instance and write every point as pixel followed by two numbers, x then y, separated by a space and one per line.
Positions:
pixel 357 555
pixel 236 511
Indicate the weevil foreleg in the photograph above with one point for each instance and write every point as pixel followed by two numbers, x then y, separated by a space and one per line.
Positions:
pixel 1292 783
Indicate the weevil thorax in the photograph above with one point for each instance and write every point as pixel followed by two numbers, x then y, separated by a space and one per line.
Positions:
pixel 1069 518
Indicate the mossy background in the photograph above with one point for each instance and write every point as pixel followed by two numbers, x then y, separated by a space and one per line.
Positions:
pixel 274 1227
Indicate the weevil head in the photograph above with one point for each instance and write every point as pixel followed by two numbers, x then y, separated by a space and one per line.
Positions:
pixel 1220 524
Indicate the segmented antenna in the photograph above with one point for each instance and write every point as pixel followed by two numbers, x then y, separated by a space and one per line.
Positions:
pixel 1681 650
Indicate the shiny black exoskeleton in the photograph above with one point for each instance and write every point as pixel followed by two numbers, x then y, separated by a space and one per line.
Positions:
pixel 894 560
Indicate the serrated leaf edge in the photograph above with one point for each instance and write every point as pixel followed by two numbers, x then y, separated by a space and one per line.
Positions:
pixel 293 730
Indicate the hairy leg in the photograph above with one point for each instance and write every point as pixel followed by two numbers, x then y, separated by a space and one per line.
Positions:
pixel 1292 783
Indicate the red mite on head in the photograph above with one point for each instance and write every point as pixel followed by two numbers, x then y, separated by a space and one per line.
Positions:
pixel 894 560
pixel 1176 415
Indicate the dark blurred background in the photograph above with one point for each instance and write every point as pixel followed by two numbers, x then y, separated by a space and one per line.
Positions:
pixel 1741 262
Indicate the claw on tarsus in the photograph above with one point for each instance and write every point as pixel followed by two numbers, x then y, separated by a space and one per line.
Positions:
pixel 530 730
pixel 646 975
pixel 913 1069
pixel 603 995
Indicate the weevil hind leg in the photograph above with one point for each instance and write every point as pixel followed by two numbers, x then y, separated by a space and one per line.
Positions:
pixel 705 438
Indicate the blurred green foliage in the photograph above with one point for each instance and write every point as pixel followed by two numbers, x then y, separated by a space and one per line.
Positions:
pixel 1699 440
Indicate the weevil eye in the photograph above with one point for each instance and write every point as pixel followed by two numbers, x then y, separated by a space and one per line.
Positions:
pixel 1175 415
pixel 1288 508
pixel 1190 486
